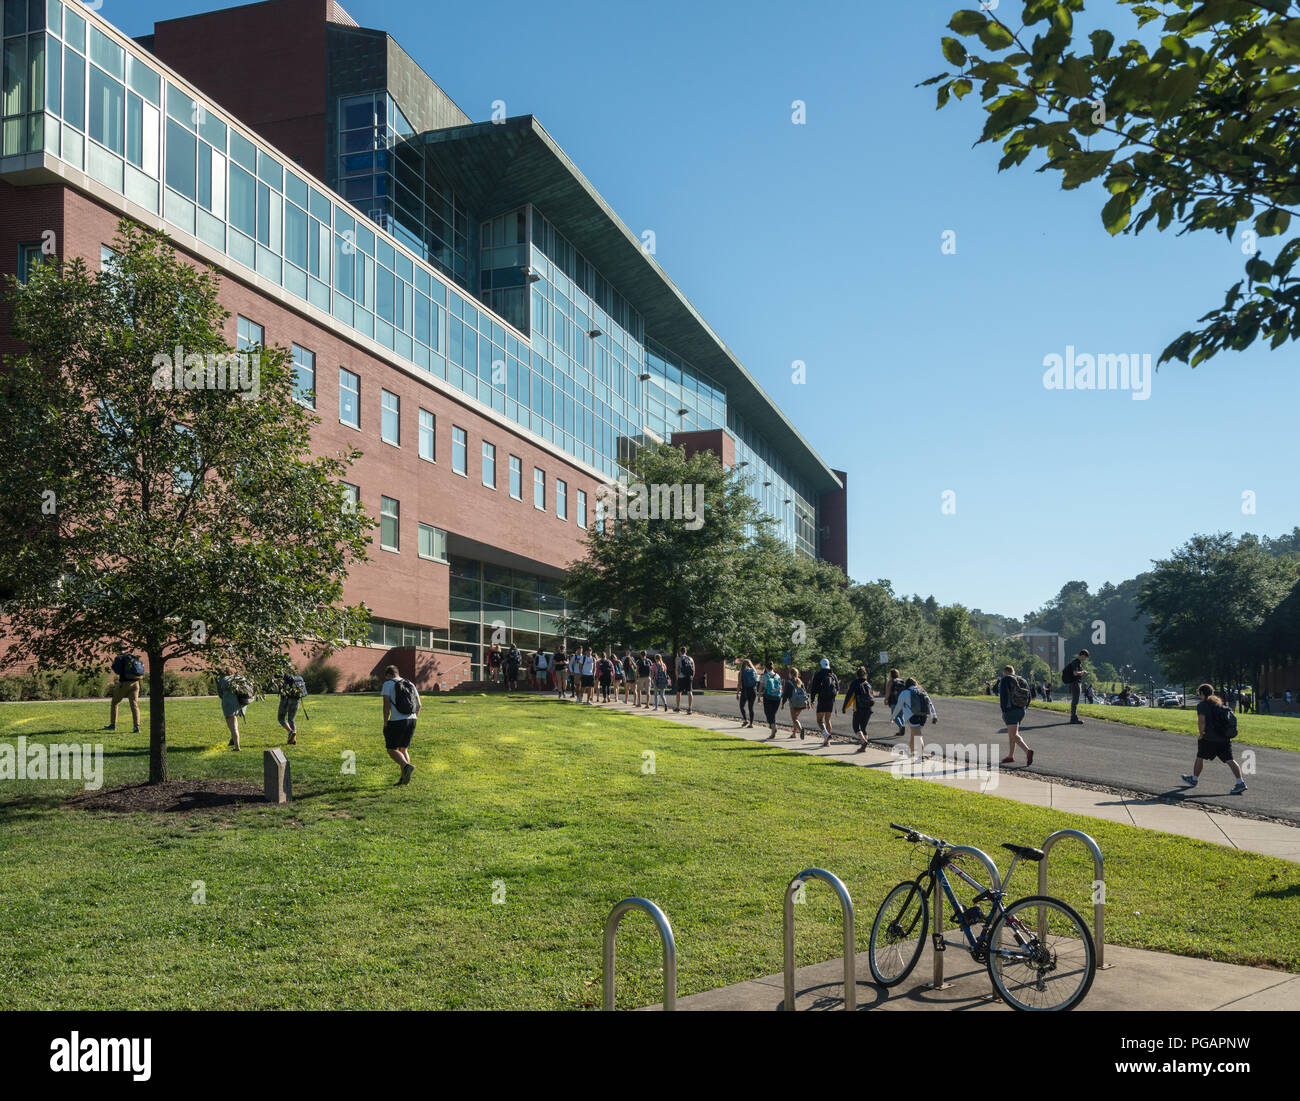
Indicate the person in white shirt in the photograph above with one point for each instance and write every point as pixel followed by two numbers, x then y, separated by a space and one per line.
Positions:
pixel 541 664
pixel 588 676
pixel 915 707
pixel 401 708
pixel 575 672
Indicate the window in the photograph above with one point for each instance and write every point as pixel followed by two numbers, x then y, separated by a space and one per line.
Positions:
pixel 458 450
pixel 349 398
pixel 489 464
pixel 539 489
pixel 390 419
pixel 248 334
pixel 561 499
pixel 582 509
pixel 304 370
pixel 428 436
pixel 433 543
pixel 351 498
pixel 388 524
pixel 516 478
pixel 30 256
pixel 600 516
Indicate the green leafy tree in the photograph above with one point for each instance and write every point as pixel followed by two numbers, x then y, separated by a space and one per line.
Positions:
pixel 1194 126
pixel 967 662
pixel 1208 602
pixel 648 581
pixel 899 628
pixel 188 525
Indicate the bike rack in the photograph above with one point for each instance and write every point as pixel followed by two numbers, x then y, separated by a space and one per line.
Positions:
pixel 1099 873
pixel 937 982
pixel 665 934
pixel 850 950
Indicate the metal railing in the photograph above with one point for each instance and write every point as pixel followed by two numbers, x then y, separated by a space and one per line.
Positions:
pixel 665 934
pixel 1098 888
pixel 850 951
pixel 937 982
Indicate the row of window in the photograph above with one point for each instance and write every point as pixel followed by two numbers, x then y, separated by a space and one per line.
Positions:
pixel 250 334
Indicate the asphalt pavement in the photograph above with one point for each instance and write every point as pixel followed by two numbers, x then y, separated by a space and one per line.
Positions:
pixel 1127 758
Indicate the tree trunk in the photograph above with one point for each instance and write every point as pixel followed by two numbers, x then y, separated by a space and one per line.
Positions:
pixel 157 722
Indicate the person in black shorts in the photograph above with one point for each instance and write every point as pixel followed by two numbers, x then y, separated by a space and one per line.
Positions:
pixel 862 699
pixel 824 688
pixel 1213 744
pixel 685 680
pixel 1011 690
pixel 401 707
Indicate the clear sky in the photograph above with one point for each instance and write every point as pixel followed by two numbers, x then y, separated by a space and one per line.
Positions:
pixel 822 242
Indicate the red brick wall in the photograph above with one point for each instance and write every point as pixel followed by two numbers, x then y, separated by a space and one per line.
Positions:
pixel 833 514
pixel 240 57
pixel 717 440
pixel 397 586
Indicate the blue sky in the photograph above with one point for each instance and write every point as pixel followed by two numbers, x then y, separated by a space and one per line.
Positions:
pixel 822 243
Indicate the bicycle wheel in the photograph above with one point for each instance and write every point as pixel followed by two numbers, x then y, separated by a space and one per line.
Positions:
pixel 1041 956
pixel 898 933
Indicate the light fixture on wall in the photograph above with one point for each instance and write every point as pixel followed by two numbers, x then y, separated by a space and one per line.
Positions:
pixel 531 275
pixel 593 333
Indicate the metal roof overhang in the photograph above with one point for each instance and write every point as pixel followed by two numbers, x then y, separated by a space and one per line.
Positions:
pixel 498 166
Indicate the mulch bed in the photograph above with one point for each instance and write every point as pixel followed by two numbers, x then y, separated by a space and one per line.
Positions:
pixel 172 797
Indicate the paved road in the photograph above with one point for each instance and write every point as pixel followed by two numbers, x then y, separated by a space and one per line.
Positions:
pixel 1111 754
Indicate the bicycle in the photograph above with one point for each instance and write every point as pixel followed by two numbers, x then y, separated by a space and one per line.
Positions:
pixel 1038 951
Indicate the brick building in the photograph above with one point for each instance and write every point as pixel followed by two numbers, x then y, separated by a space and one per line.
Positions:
pixel 459 301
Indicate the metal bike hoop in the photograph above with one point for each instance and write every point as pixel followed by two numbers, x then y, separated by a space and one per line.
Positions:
pixel 1099 879
pixel 665 934
pixel 850 952
pixel 937 982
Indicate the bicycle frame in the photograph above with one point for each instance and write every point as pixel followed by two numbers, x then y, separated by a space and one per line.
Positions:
pixel 937 872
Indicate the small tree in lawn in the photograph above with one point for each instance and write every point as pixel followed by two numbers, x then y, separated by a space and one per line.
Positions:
pixel 188 523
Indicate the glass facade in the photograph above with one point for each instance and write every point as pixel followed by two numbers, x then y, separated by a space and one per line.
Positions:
pixel 552 345
pixel 492 603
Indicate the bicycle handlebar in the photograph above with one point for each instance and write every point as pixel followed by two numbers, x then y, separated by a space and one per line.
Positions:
pixel 916 835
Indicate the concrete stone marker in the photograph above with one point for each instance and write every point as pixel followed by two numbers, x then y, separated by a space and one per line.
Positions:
pixel 275 773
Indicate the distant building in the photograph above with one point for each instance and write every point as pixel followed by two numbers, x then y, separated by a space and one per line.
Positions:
pixel 1046 645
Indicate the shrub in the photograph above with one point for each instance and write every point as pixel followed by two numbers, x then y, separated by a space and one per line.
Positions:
pixel 321 678
pixel 364 684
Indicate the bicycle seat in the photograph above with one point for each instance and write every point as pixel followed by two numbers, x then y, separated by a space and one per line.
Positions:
pixel 1024 851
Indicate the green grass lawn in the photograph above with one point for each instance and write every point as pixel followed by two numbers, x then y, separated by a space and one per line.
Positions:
pixel 364 895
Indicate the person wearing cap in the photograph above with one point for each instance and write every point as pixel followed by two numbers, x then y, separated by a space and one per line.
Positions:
pixel 825 688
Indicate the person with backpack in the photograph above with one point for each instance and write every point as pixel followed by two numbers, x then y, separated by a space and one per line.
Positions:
pixel 796 695
pixel 772 688
pixel 129 671
pixel 293 689
pixel 747 692
pixel 605 676
pixel 235 692
pixel 861 699
pixel 588 675
pixel 631 679
pixel 825 689
pixel 541 670
pixel 1218 726
pixel 893 690
pixel 494 662
pixel 1072 677
pixel 1014 696
pixel 659 682
pixel 560 671
pixel 512 661
pixel 643 666
pixel 915 706
pixel 401 709
pixel 685 680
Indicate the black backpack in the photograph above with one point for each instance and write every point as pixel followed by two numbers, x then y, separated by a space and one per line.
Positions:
pixel 686 667
pixel 920 702
pixel 642 667
pixel 1020 692
pixel 1225 722
pixel 863 699
pixel 404 697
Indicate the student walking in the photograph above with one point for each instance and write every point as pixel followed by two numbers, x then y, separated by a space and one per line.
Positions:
pixel 588 676
pixel 825 688
pixel 293 690
pixel 685 680
pixel 234 692
pixel 401 709
pixel 1013 696
pixel 659 683
pixel 796 695
pixel 575 673
pixel 747 692
pixel 915 707
pixel 773 689
pixel 643 666
pixel 1073 677
pixel 560 671
pixel 494 662
pixel 1217 724
pixel 129 671
pixel 632 691
pixel 860 699
pixel 513 660
pixel 893 690
pixel 605 676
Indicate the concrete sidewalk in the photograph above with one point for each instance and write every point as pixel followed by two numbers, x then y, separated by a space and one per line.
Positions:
pixel 1134 980
pixel 1146 812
